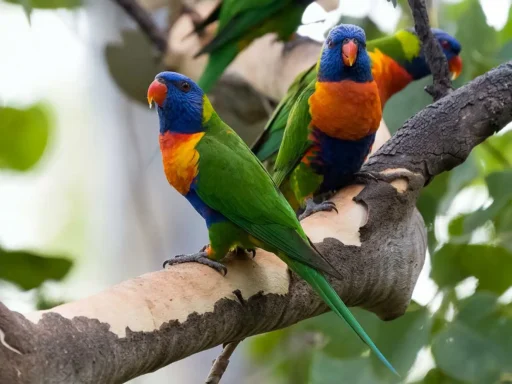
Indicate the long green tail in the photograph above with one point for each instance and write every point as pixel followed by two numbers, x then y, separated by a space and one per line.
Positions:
pixel 320 284
pixel 217 63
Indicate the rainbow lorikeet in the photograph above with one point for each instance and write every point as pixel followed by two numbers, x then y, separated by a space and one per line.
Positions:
pixel 241 22
pixel 332 125
pixel 396 61
pixel 209 164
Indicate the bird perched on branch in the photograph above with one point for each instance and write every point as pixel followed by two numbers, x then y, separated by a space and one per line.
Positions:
pixel 209 164
pixel 332 125
pixel 241 22
pixel 396 61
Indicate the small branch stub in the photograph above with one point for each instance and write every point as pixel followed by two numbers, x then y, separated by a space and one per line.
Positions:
pixel 221 363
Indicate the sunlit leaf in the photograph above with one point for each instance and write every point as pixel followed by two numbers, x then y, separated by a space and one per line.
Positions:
pixel 24 136
pixel 29 270
pixel 437 376
pixel 491 265
pixel 400 341
pixel 477 346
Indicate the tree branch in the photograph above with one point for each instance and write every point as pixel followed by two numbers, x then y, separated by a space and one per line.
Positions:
pixel 377 243
pixel 434 56
pixel 221 363
pixel 145 23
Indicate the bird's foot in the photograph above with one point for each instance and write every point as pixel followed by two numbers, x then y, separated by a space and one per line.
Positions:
pixel 199 257
pixel 312 207
pixel 244 251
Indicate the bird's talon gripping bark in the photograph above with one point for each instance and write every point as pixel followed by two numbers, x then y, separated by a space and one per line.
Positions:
pixel 201 258
pixel 312 207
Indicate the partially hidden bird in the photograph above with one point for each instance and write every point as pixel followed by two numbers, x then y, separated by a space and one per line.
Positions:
pixel 239 23
pixel 209 164
pixel 396 61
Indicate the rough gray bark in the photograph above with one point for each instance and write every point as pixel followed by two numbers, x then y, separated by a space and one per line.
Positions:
pixel 85 342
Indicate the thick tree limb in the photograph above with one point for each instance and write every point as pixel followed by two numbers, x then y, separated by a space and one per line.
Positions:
pixel 376 242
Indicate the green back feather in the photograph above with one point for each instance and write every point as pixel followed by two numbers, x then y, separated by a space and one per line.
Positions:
pixel 224 163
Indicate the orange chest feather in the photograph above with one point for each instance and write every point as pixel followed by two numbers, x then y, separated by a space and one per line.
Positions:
pixel 388 74
pixel 346 110
pixel 180 158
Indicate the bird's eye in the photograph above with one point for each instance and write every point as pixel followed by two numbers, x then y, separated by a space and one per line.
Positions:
pixel 330 43
pixel 345 41
pixel 445 44
pixel 185 86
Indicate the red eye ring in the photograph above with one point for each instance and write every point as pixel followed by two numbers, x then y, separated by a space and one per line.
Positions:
pixel 445 44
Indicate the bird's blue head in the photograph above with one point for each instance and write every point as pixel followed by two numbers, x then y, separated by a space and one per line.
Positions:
pixel 182 106
pixel 344 56
pixel 418 67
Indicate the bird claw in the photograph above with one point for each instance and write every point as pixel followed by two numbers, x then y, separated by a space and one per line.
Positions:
pixel 312 207
pixel 199 257
pixel 242 251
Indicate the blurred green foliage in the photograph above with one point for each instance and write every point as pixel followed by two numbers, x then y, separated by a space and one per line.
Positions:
pixel 29 270
pixel 24 134
pixel 29 5
pixel 469 339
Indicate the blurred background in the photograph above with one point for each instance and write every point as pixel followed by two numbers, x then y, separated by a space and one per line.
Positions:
pixel 84 203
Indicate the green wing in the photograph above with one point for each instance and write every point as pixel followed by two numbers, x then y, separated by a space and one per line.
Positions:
pixel 270 140
pixel 295 140
pixel 233 182
pixel 238 18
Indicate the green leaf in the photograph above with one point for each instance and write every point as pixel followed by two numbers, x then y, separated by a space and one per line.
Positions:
pixel 326 370
pixel 491 265
pixel 505 35
pixel 46 4
pixel 24 134
pixel 479 41
pixel 406 103
pixel 133 65
pixel 477 346
pixel 400 340
pixel 340 340
pixel 436 376
pixel 439 194
pixel 29 270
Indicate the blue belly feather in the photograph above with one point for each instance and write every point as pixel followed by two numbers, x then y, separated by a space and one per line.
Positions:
pixel 338 160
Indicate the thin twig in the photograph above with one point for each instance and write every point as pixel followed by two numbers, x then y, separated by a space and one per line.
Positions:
pixel 434 56
pixel 221 363
pixel 145 23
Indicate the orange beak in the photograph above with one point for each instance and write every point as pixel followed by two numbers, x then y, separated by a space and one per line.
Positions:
pixel 349 53
pixel 455 66
pixel 157 92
